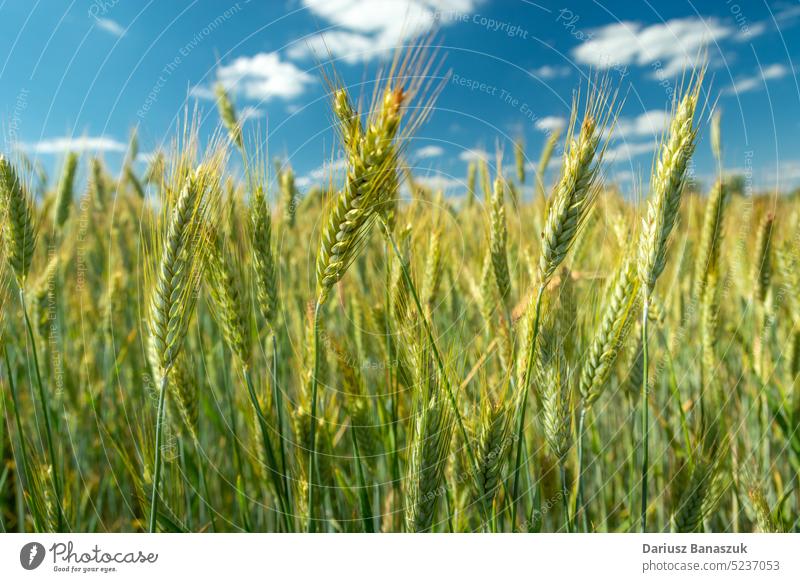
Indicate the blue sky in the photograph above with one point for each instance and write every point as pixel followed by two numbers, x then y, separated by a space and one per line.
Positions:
pixel 80 74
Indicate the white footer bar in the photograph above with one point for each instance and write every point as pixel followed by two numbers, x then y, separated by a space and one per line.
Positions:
pixel 352 557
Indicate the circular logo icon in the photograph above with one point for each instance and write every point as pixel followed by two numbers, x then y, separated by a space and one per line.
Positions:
pixel 31 555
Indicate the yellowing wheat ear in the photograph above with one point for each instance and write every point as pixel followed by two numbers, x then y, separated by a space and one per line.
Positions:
pixel 371 172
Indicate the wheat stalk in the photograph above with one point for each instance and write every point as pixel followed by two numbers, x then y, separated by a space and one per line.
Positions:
pixel 567 212
pixel 174 294
pixel 432 434
pixel 666 185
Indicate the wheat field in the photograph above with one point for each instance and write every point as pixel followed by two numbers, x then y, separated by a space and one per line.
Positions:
pixel 193 348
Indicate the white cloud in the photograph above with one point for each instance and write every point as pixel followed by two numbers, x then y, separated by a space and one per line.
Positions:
pixel 473 155
pixel 261 77
pixel 431 151
pixel 202 92
pixel 366 28
pixel 440 182
pixel 750 31
pixel 74 144
pixel 757 81
pixel 550 123
pixel 548 72
pixel 788 14
pixel 110 26
pixel 555 162
pixel 625 152
pixel 783 175
pixel 350 46
pixel 329 170
pixel 770 174
pixel 668 47
pixel 648 124
pixel 250 112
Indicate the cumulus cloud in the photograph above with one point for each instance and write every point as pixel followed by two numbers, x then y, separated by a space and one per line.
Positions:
pixel 623 176
pixel 366 28
pixel 550 123
pixel 333 169
pixel 648 124
pixel 750 31
pixel 548 72
pixel 74 144
pixel 667 47
pixel 781 175
pixel 202 92
pixel 250 112
pixel 440 182
pixel 110 26
pixel 431 151
pixel 262 77
pixel 472 155
pixel 350 46
pixel 625 152
pixel 758 80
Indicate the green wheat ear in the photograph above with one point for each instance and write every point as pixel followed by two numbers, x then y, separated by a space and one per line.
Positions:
pixel 225 277
pixel 710 236
pixel 264 262
pixel 180 267
pixel 494 442
pixel 667 185
pixel 183 389
pixel 65 190
pixel 288 194
pixel 498 236
pixel 519 159
pixel 577 188
pixel 762 264
pixel 617 318
pixel 227 112
pixel 3 292
pixel 557 403
pixel 18 212
pixel 701 495
pixel 472 171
